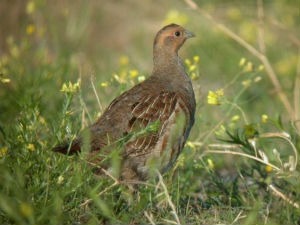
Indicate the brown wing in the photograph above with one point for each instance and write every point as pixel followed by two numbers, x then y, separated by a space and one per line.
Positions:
pixel 164 119
pixel 149 117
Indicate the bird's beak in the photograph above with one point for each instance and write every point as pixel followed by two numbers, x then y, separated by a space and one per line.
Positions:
pixel 189 34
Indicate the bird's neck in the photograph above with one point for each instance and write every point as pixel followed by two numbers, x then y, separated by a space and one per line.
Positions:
pixel 165 61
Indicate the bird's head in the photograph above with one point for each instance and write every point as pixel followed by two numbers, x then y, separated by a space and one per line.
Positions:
pixel 171 38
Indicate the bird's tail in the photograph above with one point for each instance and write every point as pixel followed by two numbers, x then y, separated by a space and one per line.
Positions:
pixel 68 149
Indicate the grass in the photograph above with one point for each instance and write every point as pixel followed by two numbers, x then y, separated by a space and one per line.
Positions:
pixel 240 163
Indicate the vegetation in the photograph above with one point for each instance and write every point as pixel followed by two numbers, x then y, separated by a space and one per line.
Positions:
pixel 62 62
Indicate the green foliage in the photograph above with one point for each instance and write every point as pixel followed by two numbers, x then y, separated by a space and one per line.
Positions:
pixel 240 163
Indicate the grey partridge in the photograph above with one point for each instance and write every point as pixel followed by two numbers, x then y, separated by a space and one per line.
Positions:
pixel 149 123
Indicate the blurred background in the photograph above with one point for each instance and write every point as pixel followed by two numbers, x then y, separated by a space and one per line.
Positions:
pixel 73 39
pixel 59 41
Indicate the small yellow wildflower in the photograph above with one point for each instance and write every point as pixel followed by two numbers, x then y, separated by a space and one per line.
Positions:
pixel 242 61
pixel 60 179
pixel 220 92
pixel 220 131
pixel 174 16
pixel 30 147
pixel 187 62
pixel 268 168
pixel 246 83
pixel 104 84
pixel 141 78
pixel 196 59
pixel 191 144
pixel 3 151
pixel 4 80
pixel 257 79
pixel 214 98
pixel 249 67
pixel 194 76
pixel 261 67
pixel 30 29
pixel 235 118
pixel 123 60
pixel 117 78
pixel 71 88
pixel 192 68
pixel 30 7
pixel 133 73
pixel 211 164
pixel 26 209
pixel 264 118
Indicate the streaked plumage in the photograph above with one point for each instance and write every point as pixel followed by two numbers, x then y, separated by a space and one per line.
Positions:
pixel 152 120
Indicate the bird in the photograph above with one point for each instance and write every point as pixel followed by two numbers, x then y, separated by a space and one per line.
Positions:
pixel 147 125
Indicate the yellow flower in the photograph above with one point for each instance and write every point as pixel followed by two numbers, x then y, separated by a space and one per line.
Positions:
pixel 30 7
pixel 26 209
pixel 60 179
pixel 174 16
pixel 264 118
pixel 3 151
pixel 242 61
pixel 104 84
pixel 133 73
pixel 30 29
pixel 235 118
pixel 123 60
pixel 268 168
pixel 141 78
pixel 192 68
pixel 71 88
pixel 4 80
pixel 211 164
pixel 220 92
pixel 214 98
pixel 117 78
pixel 257 79
pixel 261 67
pixel 194 76
pixel 187 62
pixel 196 59
pixel 246 83
pixel 190 144
pixel 31 147
pixel 248 67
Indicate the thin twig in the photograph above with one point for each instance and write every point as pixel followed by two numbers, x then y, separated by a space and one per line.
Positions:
pixel 297 93
pixel 269 69
pixel 238 217
pixel 116 182
pixel 96 94
pixel 261 32
pixel 287 138
pixel 99 194
pixel 173 208
pixel 284 197
pixel 149 217
pixel 241 154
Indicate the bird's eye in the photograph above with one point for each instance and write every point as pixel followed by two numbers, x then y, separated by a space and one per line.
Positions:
pixel 177 33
